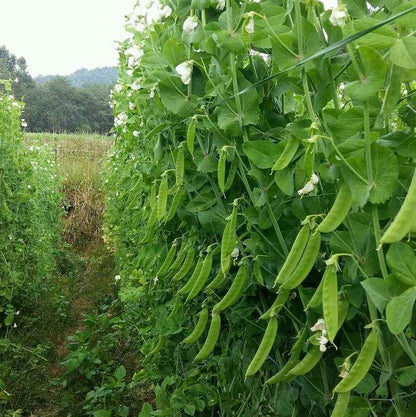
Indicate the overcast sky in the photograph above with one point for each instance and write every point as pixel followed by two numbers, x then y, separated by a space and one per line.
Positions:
pixel 61 36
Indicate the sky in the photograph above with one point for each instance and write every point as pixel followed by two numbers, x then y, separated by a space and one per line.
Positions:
pixel 62 36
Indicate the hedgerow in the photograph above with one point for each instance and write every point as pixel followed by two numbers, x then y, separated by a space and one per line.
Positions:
pixel 29 215
pixel 263 149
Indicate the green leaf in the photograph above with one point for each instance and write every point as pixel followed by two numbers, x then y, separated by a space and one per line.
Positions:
pixel 402 260
pixel 403 53
pixel 102 413
pixel 367 385
pixel 173 94
pixel 379 292
pixel 407 377
pixel 399 311
pixel 384 180
pixel 285 181
pixel 189 409
pixel 375 70
pixel 174 53
pixel 359 189
pixel 146 411
pixel 120 373
pixel 356 8
pixel 381 38
pixel 263 153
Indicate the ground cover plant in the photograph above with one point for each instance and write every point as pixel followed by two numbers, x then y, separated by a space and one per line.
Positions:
pixel 260 197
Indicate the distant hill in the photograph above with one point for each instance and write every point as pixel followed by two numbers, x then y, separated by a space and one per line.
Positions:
pixel 103 76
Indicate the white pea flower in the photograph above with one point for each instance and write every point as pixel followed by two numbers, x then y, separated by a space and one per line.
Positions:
pixel 14 325
pixel 136 85
pixel 338 16
pixel 190 24
pixel 136 134
pixel 24 124
pixel 155 280
pixel 165 12
pixel 235 253
pixel 117 278
pixel 313 139
pixel 118 87
pixel 129 72
pixel 308 188
pixel 17 313
pixel 250 26
pixel 319 325
pixel 221 5
pixel 185 71
pixel 314 179
pixel 322 343
pixel 131 106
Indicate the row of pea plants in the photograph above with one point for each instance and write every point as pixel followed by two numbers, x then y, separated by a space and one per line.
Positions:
pixel 29 221
pixel 261 197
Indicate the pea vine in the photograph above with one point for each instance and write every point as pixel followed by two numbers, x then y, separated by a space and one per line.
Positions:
pixel 260 196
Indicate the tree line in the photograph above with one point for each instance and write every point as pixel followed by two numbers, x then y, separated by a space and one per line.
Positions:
pixel 57 106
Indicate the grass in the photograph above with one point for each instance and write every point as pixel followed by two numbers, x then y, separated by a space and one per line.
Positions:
pixel 79 159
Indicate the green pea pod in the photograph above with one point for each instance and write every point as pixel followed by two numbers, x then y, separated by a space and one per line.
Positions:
pixel 305 264
pixel 199 327
pixel 264 348
pixel 235 291
pixel 189 285
pixel 309 160
pixel 341 404
pixel 293 361
pixel 202 277
pixel 180 166
pixel 277 305
pixel 339 210
pixel 152 198
pixel 287 155
pixel 168 260
pixel 228 240
pixel 221 170
pixel 330 301
pixel 231 174
pixel 177 200
pixel 405 218
pixel 294 255
pixel 157 347
pixel 212 337
pixel 216 283
pixel 257 272
pixel 190 136
pixel 162 198
pixel 309 361
pixel 180 257
pixel 343 308
pixel 361 366
pixel 186 266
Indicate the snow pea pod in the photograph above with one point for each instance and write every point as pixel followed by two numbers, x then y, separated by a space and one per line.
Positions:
pixel 339 210
pixel 361 366
pixel 305 264
pixel 199 327
pixel 212 337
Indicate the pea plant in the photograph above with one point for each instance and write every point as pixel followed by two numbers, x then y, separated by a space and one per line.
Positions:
pixel 29 212
pixel 261 198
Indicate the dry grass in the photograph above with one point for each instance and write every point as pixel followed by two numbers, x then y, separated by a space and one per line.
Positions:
pixel 79 159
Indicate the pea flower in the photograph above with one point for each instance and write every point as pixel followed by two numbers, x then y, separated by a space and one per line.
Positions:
pixel 221 5
pixel 117 278
pixel 314 179
pixel 308 188
pixel 338 16
pixel 322 342
pixel 185 71
pixel 235 253
pixel 190 24
pixel 319 326
pixel 250 25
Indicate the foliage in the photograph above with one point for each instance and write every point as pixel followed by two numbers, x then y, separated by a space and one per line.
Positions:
pixel 237 105
pixel 102 75
pixel 61 104
pixel 29 223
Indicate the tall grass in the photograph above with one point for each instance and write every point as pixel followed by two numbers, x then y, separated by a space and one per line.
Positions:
pixel 79 158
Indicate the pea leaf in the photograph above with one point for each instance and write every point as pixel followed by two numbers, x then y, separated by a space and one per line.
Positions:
pixel 399 311
pixel 174 97
pixel 403 53
pixel 263 153
pixel 374 76
pixel 385 180
pixel 407 377
pixel 402 260
pixel 379 292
